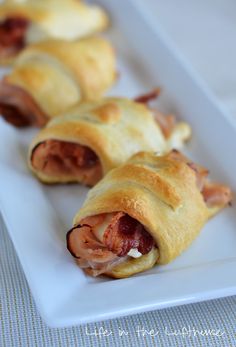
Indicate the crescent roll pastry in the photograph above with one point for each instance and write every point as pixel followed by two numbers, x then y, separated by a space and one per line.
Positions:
pixel 144 212
pixel 54 75
pixel 93 138
pixel 26 22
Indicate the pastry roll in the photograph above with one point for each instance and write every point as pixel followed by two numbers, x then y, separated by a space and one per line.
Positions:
pixel 93 138
pixel 26 22
pixel 144 212
pixel 52 76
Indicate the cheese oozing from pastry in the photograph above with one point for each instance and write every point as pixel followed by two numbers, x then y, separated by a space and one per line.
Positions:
pixel 134 253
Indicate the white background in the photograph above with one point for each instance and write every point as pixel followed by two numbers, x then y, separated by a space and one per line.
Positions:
pixel 205 33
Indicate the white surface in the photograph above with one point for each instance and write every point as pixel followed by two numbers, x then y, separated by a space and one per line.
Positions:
pixel 205 32
pixel 38 216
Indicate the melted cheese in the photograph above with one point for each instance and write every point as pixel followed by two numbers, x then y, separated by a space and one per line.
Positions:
pixel 134 253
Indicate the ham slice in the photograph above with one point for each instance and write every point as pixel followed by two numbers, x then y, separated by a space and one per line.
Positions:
pixel 97 248
pixel 200 171
pixel 146 98
pixel 19 108
pixel 125 233
pixel 102 241
pixel 12 36
pixel 165 122
pixel 214 194
pixel 90 253
pixel 61 158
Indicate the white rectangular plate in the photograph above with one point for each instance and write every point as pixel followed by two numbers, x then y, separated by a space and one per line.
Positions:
pixel 38 216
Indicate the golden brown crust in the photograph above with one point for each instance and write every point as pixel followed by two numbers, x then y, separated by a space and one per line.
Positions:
pixel 108 113
pixel 173 225
pixel 113 128
pixel 28 11
pixel 134 265
pixel 85 59
pixel 59 19
pixel 59 74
